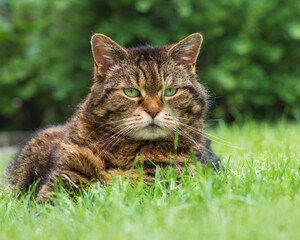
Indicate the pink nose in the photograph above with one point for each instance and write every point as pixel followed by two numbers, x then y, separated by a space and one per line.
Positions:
pixel 153 111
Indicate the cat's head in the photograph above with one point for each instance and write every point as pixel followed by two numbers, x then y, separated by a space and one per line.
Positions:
pixel 127 94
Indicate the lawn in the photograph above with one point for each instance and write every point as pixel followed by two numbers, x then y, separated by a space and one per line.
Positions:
pixel 255 196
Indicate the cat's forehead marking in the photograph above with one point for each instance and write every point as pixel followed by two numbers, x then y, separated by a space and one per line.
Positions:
pixel 150 77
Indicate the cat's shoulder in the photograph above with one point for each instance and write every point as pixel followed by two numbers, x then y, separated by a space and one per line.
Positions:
pixel 51 132
pixel 46 138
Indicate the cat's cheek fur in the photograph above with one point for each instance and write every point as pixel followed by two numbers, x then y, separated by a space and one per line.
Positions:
pixel 116 106
pixel 180 105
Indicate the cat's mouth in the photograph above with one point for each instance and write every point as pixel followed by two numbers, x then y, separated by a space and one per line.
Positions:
pixel 153 127
pixel 151 132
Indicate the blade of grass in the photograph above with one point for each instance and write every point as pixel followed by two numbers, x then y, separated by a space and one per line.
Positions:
pixel 176 139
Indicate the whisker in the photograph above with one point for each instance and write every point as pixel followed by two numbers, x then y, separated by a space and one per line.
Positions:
pixel 111 143
pixel 200 146
pixel 124 133
pixel 210 136
pixel 182 133
pixel 107 123
pixel 112 130
pixel 108 139
pixel 190 138
pixel 107 144
pixel 203 120
pixel 112 122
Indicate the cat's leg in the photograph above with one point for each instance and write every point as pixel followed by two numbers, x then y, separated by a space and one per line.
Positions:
pixel 76 168
pixel 57 180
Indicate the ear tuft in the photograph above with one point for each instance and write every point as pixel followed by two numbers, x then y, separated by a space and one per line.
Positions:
pixel 186 51
pixel 106 53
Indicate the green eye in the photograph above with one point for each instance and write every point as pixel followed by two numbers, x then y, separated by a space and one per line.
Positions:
pixel 132 92
pixel 170 92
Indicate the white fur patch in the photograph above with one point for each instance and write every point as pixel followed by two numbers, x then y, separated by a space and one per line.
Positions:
pixel 147 128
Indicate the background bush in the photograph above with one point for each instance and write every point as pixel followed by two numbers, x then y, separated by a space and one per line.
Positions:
pixel 249 60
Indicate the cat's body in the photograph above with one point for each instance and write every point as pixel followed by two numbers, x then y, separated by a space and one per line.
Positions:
pixel 123 119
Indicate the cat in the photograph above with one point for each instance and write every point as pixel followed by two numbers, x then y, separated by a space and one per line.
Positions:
pixel 123 119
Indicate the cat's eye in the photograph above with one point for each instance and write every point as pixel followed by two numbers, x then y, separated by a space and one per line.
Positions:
pixel 132 92
pixel 170 92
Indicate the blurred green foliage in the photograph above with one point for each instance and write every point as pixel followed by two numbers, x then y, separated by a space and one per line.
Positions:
pixel 249 61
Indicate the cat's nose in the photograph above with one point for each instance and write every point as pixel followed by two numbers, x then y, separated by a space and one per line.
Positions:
pixel 153 111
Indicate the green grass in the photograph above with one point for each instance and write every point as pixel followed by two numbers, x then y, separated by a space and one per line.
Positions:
pixel 256 196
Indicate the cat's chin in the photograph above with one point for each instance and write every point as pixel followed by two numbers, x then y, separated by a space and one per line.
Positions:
pixel 151 132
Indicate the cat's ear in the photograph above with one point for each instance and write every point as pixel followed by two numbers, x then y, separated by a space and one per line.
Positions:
pixel 106 53
pixel 186 51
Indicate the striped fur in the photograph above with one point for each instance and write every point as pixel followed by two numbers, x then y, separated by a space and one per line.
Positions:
pixel 110 130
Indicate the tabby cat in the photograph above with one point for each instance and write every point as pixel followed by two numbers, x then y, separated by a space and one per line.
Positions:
pixel 123 119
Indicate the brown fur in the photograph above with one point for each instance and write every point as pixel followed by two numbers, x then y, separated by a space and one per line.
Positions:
pixel 90 147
